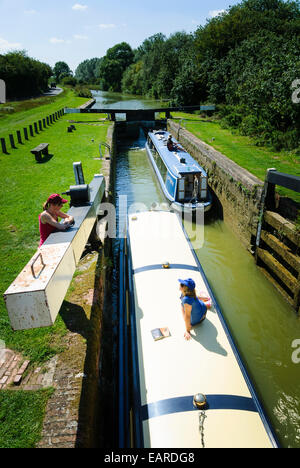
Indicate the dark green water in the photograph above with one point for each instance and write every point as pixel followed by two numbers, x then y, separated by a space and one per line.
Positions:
pixel 263 325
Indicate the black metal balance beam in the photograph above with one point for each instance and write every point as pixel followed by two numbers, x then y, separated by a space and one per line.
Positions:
pixel 288 181
pixel 135 111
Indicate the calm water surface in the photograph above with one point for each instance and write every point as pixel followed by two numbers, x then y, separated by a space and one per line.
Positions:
pixel 262 323
pixel 106 99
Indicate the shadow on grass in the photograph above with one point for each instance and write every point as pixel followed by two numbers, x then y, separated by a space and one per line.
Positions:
pixel 96 405
pixel 46 158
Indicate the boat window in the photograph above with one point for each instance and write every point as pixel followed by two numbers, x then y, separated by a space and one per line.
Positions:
pixel 160 164
pixel 191 187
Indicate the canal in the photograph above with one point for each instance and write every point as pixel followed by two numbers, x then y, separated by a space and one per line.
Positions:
pixel 263 325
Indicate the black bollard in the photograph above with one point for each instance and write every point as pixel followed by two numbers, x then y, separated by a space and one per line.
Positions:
pixel 25 133
pixel 19 138
pixel 31 130
pixel 3 145
pixel 12 141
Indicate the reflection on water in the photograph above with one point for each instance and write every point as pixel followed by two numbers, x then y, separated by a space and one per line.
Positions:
pixel 123 101
pixel 262 323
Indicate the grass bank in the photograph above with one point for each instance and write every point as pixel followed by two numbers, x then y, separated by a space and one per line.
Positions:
pixel 241 149
pixel 20 417
pixel 18 114
pixel 26 184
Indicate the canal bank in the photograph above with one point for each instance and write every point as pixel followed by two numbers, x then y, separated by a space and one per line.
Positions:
pixel 78 413
pixel 238 192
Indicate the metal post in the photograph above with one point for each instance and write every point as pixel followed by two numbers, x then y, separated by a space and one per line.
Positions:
pixel 78 172
pixel 12 141
pixel 262 208
pixel 19 138
pixel 3 144
pixel 31 130
pixel 25 133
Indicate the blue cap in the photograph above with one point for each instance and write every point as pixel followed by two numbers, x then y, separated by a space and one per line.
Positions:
pixel 189 282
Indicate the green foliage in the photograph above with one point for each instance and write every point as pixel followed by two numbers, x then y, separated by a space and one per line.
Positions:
pixel 164 68
pixel 248 59
pixel 113 65
pixel 244 60
pixel 88 71
pixel 23 75
pixel 83 91
pixel 61 70
pixel 69 81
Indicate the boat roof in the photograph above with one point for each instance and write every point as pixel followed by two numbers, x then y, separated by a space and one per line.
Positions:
pixel 173 159
pixel 172 370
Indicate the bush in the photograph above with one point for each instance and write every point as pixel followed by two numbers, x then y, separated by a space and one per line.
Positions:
pixel 69 81
pixel 82 91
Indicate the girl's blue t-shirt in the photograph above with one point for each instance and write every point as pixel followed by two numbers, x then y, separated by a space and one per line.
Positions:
pixel 198 308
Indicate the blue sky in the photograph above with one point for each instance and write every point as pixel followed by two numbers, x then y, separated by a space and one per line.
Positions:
pixel 75 30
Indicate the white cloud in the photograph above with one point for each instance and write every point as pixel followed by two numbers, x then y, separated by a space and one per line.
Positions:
pixel 55 40
pixel 107 25
pixel 214 13
pixel 30 12
pixel 79 7
pixel 6 45
pixel 80 37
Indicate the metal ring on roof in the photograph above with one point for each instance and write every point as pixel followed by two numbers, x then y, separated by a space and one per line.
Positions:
pixel 199 400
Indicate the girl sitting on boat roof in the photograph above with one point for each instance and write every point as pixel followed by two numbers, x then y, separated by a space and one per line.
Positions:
pixel 171 145
pixel 193 309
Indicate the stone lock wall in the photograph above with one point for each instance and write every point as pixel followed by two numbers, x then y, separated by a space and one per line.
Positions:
pixel 238 192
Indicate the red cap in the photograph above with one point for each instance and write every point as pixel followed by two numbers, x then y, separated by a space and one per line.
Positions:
pixel 56 199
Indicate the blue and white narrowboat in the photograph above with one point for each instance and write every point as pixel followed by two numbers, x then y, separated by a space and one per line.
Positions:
pixel 194 393
pixel 182 180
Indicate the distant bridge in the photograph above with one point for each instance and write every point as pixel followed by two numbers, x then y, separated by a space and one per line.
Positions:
pixel 139 114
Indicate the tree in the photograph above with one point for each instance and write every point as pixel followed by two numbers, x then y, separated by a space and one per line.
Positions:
pixel 24 76
pixel 113 65
pixel 61 70
pixel 88 71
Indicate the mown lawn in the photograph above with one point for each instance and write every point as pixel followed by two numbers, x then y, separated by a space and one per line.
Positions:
pixel 31 110
pixel 21 417
pixel 242 150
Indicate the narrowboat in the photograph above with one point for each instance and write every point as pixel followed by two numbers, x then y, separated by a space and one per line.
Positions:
pixel 182 180
pixel 183 394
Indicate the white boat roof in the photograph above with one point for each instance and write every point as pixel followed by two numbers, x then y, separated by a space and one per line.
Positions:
pixel 173 158
pixel 172 370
